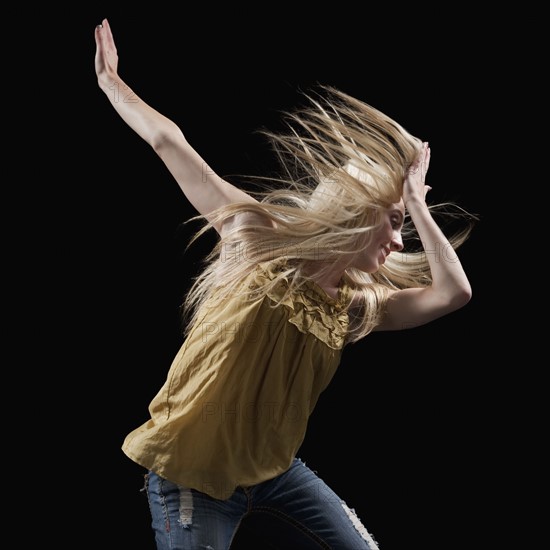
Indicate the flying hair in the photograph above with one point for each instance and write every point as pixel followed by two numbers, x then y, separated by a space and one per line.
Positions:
pixel 342 163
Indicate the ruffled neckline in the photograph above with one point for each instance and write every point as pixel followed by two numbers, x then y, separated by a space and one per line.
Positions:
pixel 311 309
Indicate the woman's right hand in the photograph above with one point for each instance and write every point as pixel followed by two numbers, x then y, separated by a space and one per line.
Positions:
pixel 106 57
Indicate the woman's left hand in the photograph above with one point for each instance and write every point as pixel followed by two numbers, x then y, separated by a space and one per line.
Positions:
pixel 414 186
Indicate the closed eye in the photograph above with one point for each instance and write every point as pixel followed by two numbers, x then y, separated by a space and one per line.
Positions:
pixel 397 222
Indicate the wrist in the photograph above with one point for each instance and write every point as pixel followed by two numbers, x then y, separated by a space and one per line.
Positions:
pixel 415 203
pixel 112 85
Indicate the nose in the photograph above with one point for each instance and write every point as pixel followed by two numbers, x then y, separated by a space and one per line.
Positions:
pixel 396 244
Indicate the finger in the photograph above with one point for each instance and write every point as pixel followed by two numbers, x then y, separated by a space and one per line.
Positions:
pixel 425 150
pixel 97 33
pixel 109 35
pixel 100 35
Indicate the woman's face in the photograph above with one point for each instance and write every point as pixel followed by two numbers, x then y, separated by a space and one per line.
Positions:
pixel 384 240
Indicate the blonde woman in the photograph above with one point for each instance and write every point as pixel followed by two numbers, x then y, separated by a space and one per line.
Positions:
pixel 310 264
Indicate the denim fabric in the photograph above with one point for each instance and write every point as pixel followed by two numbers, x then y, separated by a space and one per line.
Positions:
pixel 298 509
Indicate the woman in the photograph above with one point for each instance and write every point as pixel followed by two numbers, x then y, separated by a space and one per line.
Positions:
pixel 313 263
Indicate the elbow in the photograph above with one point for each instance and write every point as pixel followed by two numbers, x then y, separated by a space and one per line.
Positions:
pixel 166 138
pixel 461 296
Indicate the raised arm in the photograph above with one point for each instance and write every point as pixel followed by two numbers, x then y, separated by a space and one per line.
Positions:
pixel 450 288
pixel 204 189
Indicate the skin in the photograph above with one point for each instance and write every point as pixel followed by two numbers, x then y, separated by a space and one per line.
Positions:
pixel 385 240
pixel 450 288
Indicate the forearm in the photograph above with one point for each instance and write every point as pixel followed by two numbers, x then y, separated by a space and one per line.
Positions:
pixel 448 276
pixel 148 123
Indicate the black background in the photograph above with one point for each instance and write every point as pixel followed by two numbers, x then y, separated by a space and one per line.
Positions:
pixel 407 432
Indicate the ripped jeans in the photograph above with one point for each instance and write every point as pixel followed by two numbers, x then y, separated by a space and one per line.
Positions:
pixel 303 510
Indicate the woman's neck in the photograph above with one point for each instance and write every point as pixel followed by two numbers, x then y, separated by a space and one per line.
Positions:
pixel 326 275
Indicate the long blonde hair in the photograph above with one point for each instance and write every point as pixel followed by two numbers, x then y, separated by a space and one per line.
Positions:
pixel 343 163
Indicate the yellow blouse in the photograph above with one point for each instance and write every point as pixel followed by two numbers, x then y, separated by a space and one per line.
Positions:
pixel 234 408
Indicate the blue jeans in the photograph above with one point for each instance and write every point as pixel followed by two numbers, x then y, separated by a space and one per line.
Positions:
pixel 303 510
